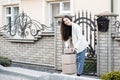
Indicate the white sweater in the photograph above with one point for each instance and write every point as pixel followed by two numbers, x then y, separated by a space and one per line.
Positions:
pixel 78 40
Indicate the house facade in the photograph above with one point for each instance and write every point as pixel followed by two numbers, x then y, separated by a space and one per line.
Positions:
pixel 48 47
pixel 45 10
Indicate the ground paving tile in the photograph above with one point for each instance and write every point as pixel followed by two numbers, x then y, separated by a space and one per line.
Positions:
pixel 18 73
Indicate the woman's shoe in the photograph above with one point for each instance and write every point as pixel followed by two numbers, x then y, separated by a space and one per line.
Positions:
pixel 78 74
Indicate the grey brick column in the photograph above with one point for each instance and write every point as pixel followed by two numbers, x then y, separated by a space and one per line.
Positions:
pixel 105 47
pixel 58 44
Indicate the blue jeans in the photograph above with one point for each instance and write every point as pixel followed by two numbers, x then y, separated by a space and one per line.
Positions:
pixel 80 58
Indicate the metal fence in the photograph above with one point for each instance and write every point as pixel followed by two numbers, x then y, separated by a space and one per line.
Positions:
pixel 87 22
pixel 23 26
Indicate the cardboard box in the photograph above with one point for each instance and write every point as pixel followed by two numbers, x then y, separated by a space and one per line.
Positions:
pixel 69 68
pixel 68 58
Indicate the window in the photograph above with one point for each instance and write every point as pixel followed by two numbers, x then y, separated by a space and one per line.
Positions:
pixel 65 7
pixel 58 8
pixel 11 13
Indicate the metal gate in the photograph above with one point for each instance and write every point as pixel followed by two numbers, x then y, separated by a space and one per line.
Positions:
pixel 88 25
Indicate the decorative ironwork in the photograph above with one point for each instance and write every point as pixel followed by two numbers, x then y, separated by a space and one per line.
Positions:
pixel 89 30
pixel 24 26
pixel 116 34
pixel 117 25
pixel 90 66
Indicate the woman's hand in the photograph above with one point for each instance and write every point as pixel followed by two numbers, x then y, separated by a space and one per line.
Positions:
pixel 69 50
pixel 73 49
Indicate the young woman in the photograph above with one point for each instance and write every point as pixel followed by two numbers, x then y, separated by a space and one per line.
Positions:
pixel 72 36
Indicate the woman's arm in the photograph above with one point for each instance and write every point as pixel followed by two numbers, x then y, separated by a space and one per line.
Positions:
pixel 67 43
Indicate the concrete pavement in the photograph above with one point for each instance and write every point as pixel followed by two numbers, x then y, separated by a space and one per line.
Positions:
pixel 17 73
pixel 6 76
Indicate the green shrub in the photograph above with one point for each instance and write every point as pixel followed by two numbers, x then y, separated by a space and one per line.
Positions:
pixel 113 75
pixel 5 61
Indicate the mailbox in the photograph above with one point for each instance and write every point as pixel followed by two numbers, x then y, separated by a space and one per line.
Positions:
pixel 103 24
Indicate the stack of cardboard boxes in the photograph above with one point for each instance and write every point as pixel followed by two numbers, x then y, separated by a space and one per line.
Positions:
pixel 68 63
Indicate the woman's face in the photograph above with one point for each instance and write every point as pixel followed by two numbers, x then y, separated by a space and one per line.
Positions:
pixel 67 22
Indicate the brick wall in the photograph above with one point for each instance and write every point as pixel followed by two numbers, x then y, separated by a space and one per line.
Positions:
pixel 45 51
pixel 115 47
pixel 40 52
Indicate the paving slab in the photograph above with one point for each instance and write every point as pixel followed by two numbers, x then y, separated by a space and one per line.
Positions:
pixel 17 73
pixel 13 77
pixel 56 76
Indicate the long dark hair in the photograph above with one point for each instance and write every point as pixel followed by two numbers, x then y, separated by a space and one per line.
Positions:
pixel 66 31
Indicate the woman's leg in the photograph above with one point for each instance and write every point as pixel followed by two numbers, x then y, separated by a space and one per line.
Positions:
pixel 80 57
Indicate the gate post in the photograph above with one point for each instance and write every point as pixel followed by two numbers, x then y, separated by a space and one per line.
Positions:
pixel 105 46
pixel 58 43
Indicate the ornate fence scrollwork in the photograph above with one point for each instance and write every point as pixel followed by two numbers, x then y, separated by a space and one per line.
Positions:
pixel 24 26
pixel 116 34
pixel 117 25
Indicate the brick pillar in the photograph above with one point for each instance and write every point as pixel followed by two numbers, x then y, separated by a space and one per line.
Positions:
pixel 58 43
pixel 105 47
